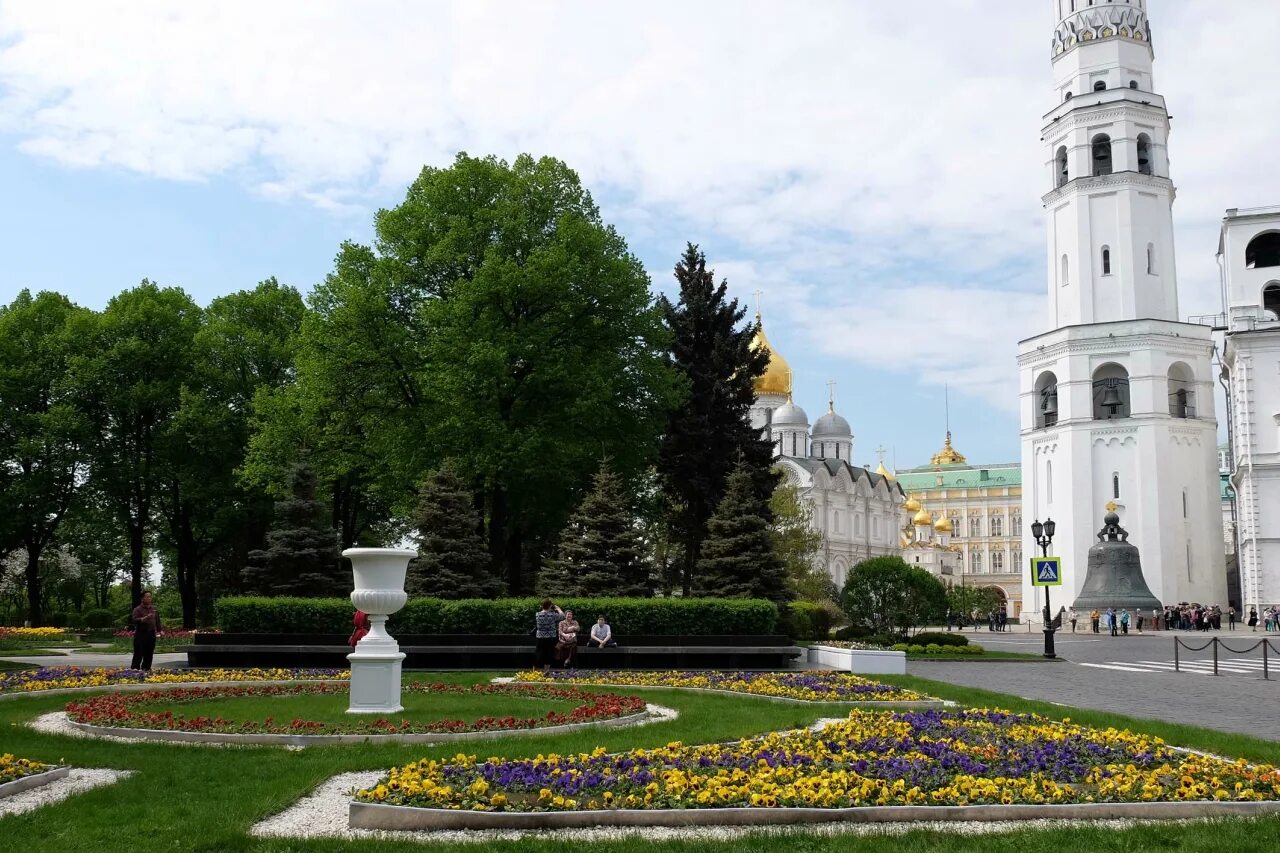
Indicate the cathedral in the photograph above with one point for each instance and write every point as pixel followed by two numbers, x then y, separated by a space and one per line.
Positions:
pixel 857 511
pixel 1116 390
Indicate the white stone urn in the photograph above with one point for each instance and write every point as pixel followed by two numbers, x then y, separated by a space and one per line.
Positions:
pixel 376 661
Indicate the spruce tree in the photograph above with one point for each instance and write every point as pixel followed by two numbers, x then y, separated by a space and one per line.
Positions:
pixel 453 561
pixel 712 430
pixel 601 551
pixel 738 558
pixel 301 557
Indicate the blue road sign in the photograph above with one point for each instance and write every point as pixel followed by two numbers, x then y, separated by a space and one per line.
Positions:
pixel 1046 571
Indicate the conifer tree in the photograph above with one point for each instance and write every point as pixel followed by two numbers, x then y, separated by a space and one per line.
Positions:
pixel 712 430
pixel 301 557
pixel 738 559
pixel 453 560
pixel 601 551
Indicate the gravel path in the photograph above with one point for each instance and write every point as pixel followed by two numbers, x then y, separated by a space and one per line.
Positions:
pixel 323 814
pixel 77 781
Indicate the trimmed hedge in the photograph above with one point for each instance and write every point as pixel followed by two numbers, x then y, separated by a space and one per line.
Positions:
pixel 805 620
pixel 655 616
pixel 941 638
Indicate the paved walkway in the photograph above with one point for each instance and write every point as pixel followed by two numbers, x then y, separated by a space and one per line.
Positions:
pixel 1133 675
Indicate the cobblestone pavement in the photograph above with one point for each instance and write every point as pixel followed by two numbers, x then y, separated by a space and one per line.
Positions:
pixel 1134 675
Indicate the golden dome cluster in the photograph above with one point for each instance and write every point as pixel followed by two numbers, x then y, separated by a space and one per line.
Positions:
pixel 948 455
pixel 776 378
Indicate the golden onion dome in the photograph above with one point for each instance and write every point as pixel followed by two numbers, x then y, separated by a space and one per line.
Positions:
pixel 776 378
pixel 948 455
pixel 884 472
pixel 944 525
pixel 911 505
pixel 923 517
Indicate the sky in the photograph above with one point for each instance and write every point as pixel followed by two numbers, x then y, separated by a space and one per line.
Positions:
pixel 874 169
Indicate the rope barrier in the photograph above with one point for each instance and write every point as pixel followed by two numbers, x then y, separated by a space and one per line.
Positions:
pixel 1215 643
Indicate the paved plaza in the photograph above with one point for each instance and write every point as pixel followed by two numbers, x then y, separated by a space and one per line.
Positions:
pixel 1133 675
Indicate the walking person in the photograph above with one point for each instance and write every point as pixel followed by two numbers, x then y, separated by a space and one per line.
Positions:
pixel 1138 615
pixel 1124 622
pixel 1253 618
pixel 1093 620
pixel 545 624
pixel 1073 620
pixel 1231 618
pixel 146 625
pixel 1112 626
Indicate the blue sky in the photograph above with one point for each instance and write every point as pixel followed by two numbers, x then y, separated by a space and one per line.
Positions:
pixel 875 171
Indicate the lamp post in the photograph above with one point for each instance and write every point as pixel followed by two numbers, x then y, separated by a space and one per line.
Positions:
pixel 1043 534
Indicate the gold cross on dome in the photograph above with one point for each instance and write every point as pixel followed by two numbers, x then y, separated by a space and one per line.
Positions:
pixel 1111 506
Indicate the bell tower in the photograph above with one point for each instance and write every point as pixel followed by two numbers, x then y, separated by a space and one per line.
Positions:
pixel 1116 392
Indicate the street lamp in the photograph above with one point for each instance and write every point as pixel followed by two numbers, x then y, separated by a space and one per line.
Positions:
pixel 1043 534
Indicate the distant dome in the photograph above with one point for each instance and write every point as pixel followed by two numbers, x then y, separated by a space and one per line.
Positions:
pixel 944 525
pixel 776 378
pixel 789 414
pixel 923 518
pixel 833 425
pixel 911 505
pixel 884 472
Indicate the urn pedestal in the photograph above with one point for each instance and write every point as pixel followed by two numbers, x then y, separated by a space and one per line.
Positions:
pixel 375 662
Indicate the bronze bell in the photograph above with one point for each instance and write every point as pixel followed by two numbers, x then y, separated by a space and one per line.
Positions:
pixel 1050 404
pixel 1114 576
pixel 1111 399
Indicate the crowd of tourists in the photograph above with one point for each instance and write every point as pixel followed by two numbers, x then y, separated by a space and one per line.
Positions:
pixel 1185 616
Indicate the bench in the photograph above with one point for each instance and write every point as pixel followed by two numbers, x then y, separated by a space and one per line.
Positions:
pixel 496 651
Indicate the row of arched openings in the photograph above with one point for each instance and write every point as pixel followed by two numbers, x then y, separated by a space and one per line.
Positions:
pixel 1264 251
pixel 1110 394
pixel 1100 158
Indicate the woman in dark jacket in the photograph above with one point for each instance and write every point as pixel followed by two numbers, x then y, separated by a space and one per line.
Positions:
pixel 146 625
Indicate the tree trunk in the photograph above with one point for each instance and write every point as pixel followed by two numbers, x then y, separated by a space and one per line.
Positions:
pixel 498 535
pixel 137 549
pixel 33 586
pixel 188 568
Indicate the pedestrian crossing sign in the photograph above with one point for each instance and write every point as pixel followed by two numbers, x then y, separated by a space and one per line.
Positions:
pixel 1046 571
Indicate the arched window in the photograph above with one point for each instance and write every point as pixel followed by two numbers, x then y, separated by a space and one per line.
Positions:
pixel 975 526
pixel 1115 486
pixel 1144 154
pixel 1182 391
pixel 997 561
pixel 1133 84
pixel 793 444
pixel 1100 86
pixel 1110 392
pixel 1106 260
pixel 975 561
pixel 1045 401
pixel 1101 155
pixel 1151 259
pixel 1263 251
pixel 1060 162
pixel 1271 299
pixel 997 525
pixel 1066 272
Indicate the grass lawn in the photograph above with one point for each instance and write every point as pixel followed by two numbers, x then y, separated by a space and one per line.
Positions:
pixel 205 799
pixel 11 666
pixel 420 707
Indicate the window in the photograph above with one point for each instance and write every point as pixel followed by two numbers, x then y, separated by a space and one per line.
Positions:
pixel 1115 487
pixel 1100 86
pixel 1067 96
pixel 1101 148
pixel 1106 260
pixel 997 525
pixel 793 444
pixel 1182 391
pixel 997 562
pixel 1133 84
pixel 1184 501
pixel 975 526
pixel 1066 276
pixel 1151 259
pixel 1144 154
pixel 1017 557
pixel 975 561
pixel 1263 251
pixel 1048 480
pixel 1016 523
pixel 957 530
pixel 1046 401
pixel 1061 161
pixel 1271 299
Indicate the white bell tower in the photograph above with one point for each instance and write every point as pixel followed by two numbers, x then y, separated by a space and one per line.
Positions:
pixel 1117 394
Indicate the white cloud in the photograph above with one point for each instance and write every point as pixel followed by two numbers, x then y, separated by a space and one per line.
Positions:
pixel 871 151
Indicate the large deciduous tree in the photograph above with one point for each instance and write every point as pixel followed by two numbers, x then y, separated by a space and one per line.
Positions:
pixel 711 432
pixel 43 429
pixel 738 558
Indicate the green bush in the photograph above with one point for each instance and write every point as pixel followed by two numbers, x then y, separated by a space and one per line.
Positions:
pixel 57 619
pixel 98 619
pixel 657 616
pixel 75 621
pixel 805 620
pixel 941 638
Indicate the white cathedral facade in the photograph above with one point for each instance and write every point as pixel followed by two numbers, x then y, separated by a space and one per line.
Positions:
pixel 1116 392
pixel 857 511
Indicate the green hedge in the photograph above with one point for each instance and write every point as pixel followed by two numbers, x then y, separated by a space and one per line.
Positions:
pixel 805 620
pixel 941 638
pixel 660 616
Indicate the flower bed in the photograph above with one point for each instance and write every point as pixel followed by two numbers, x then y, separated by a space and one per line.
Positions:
pixel 127 634
pixel 918 758
pixel 810 686
pixel 129 710
pixel 13 768
pixel 7 633
pixel 68 677
pixel 909 648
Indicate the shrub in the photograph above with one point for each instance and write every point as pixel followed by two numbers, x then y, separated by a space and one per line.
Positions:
pixel 75 621
pixel 656 616
pixel 940 638
pixel 98 619
pixel 885 594
pixel 805 620
pixel 58 619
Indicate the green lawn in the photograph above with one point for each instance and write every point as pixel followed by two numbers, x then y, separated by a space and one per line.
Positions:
pixel 332 708
pixel 204 799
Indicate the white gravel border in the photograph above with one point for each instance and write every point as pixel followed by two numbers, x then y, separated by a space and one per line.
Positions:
pixel 77 781
pixel 323 814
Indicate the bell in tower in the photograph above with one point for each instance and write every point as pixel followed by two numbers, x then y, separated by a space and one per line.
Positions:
pixel 1114 577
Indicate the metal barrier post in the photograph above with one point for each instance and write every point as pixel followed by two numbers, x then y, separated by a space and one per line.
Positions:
pixel 1266 675
pixel 1177 641
pixel 1215 655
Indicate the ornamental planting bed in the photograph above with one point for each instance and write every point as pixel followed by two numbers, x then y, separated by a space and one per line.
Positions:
pixel 809 686
pixel 68 679
pixel 23 774
pixel 128 715
pixel 875 766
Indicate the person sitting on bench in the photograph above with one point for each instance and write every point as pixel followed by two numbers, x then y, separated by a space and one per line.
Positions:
pixel 601 634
